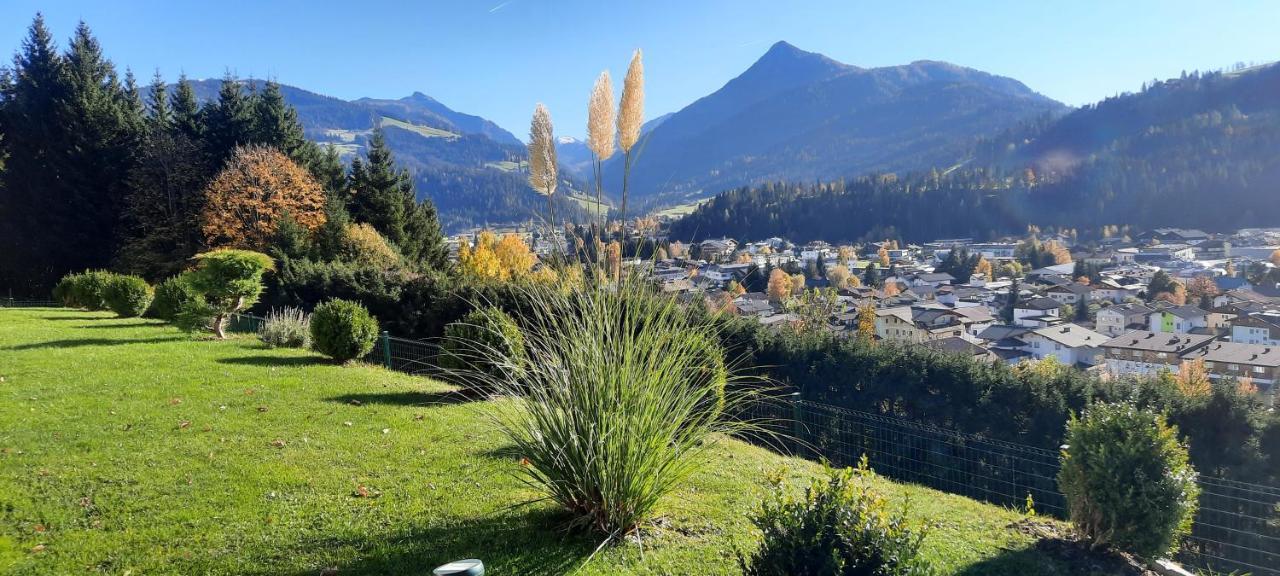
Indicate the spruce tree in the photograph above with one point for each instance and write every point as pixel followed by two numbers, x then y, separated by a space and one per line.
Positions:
pixel 275 124
pixel 30 105
pixel 384 196
pixel 159 114
pixel 229 122
pixel 187 116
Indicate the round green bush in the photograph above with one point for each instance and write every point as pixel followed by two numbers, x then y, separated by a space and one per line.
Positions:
pixel 128 296
pixel 839 526
pixel 1127 480
pixel 171 295
pixel 88 289
pixel 485 344
pixel 342 330
pixel 65 291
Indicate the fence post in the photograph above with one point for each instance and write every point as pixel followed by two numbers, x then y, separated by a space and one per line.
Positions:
pixel 797 426
pixel 386 349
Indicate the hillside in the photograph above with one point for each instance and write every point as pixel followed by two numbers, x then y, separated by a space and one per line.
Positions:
pixel 1198 151
pixel 136 448
pixel 796 115
pixel 465 164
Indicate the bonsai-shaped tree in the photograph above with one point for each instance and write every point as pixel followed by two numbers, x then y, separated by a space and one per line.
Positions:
pixel 229 280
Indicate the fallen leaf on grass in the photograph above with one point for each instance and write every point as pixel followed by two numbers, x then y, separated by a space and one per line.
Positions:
pixel 278 443
pixel 184 424
pixel 262 408
pixel 363 491
pixel 175 401
pixel 355 402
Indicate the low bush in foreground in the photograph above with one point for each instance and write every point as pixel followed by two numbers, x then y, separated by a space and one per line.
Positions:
pixel 618 405
pixel 343 330
pixel 840 526
pixel 286 328
pixel 1127 480
pixel 128 296
pixel 486 340
pixel 170 297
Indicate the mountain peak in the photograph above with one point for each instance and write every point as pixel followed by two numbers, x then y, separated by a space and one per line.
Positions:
pixel 786 54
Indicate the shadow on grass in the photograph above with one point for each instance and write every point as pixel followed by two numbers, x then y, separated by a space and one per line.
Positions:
pixel 517 542
pixel 133 324
pixel 1052 556
pixel 460 396
pixel 267 360
pixel 81 342
pixel 75 317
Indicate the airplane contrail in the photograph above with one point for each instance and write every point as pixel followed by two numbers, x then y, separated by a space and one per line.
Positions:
pixel 500 6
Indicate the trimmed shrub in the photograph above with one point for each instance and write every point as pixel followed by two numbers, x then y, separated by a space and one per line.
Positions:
pixel 1127 480
pixel 343 330
pixel 841 526
pixel 65 290
pixel 128 296
pixel 195 316
pixel 229 280
pixel 286 328
pixel 486 340
pixel 85 290
pixel 171 295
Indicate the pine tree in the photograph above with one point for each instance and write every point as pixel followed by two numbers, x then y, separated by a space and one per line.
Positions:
pixel 159 114
pixel 383 195
pixel 1011 302
pixel 187 116
pixel 275 124
pixel 34 92
pixel 229 122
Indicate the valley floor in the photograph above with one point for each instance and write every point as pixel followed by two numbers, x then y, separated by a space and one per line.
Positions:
pixel 127 447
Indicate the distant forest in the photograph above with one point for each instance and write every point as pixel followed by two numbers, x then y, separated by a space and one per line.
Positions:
pixel 1202 150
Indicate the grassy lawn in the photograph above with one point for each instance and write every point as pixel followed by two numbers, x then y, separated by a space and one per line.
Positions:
pixel 424 131
pixel 126 447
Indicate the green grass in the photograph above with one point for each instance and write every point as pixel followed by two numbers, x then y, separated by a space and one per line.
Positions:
pixel 681 210
pixel 506 165
pixel 424 131
pixel 126 447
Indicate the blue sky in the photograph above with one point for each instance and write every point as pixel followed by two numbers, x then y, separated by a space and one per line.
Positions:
pixel 497 58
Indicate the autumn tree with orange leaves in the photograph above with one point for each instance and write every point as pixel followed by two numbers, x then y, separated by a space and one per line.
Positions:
pixel 244 203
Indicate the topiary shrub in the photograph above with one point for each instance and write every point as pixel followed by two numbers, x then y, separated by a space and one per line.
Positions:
pixel 170 296
pixel 88 289
pixel 1127 480
pixel 486 340
pixel 229 280
pixel 342 330
pixel 128 296
pixel 286 328
pixel 65 291
pixel 840 526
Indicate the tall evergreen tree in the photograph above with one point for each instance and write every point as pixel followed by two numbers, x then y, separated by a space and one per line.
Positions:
pixel 275 124
pixel 186 109
pixel 159 113
pixel 229 121
pixel 34 92
pixel 384 196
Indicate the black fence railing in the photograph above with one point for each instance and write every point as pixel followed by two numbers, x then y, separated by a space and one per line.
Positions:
pixel 1237 528
pixel 20 303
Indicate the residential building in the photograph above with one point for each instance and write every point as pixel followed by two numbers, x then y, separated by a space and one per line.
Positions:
pixel 1036 312
pixel 1144 352
pixel 1120 318
pixel 1256 329
pixel 1178 319
pixel 1070 344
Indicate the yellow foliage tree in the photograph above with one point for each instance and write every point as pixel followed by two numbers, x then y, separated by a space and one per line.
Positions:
pixel 1275 258
pixel 984 268
pixel 867 322
pixel 891 289
pixel 613 259
pixel 883 253
pixel 797 283
pixel 362 243
pixel 1193 379
pixel 779 286
pixel 491 258
pixel 244 203
pixel 838 276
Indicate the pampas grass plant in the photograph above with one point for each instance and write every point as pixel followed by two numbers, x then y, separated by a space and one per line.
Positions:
pixel 618 396
pixel 543 169
pixel 630 120
pixel 601 131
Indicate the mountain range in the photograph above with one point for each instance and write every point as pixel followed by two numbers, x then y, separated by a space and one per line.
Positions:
pixel 797 115
pixel 1200 151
